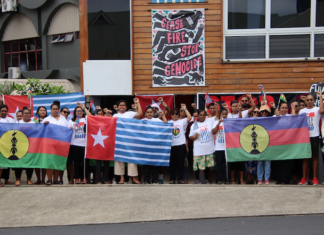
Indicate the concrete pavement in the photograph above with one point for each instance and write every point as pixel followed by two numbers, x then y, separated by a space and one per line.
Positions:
pixel 96 204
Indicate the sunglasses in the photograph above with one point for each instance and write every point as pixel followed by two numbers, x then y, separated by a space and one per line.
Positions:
pixel 255 111
pixel 310 100
pixel 174 114
pixel 244 100
pixel 181 110
pixel 264 112
pixel 65 112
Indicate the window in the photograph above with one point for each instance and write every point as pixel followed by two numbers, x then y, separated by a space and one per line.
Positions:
pixel 62 38
pixel 23 53
pixel 273 30
pixel 77 35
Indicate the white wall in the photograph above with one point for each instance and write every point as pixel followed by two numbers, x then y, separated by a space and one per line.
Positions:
pixel 107 77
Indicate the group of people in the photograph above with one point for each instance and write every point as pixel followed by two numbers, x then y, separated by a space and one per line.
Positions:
pixel 198 144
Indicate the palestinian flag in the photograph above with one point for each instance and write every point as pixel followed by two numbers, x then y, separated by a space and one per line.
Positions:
pixel 34 146
pixel 271 138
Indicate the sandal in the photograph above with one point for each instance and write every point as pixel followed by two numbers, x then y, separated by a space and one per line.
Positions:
pixel 232 181
pixel 136 182
pixel 181 182
pixel 77 181
pixel 49 182
pixel 29 182
pixel 242 181
pixel 17 183
pixel 121 182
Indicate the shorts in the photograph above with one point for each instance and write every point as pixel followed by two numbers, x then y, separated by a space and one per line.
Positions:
pixel 314 145
pixel 201 162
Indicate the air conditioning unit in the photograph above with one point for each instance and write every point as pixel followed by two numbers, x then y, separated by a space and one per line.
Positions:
pixel 9 5
pixel 14 72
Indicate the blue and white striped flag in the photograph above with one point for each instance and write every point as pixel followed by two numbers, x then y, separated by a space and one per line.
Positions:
pixel 67 100
pixel 143 142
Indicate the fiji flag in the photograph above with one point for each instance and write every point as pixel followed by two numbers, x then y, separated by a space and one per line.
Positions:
pixel 143 142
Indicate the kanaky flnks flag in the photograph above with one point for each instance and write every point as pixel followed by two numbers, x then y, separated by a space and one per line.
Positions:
pixel 265 139
pixel 16 103
pixel 283 98
pixel 66 100
pixel 143 142
pixel 34 146
pixel 262 91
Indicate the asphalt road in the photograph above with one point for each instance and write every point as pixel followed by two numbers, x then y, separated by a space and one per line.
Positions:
pixel 294 225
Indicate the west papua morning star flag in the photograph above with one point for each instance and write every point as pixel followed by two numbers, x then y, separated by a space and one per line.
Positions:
pixel 16 103
pixel 68 100
pixel 143 142
pixel 267 139
pixel 148 100
pixel 129 140
pixel 101 135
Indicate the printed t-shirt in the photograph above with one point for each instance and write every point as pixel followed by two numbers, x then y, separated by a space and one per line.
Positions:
pixel 220 137
pixel 313 118
pixel 79 135
pixel 178 133
pixel 30 122
pixel 204 145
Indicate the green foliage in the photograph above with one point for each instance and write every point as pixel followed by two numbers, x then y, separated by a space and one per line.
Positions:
pixel 7 88
pixel 38 88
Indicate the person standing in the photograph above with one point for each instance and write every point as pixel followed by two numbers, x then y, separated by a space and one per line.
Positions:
pixel 56 119
pixel 149 113
pixel 41 113
pixel 178 145
pixel 313 118
pixel 201 133
pixel 29 171
pixel 220 148
pixel 247 109
pixel 120 166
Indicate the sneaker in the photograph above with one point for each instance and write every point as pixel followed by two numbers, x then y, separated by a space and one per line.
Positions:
pixel 155 183
pixel 259 181
pixel 303 181
pixel 220 182
pixel 293 182
pixel 160 181
pixel 227 182
pixel 315 181
pixel 146 182
pixel 267 182
pixel 207 182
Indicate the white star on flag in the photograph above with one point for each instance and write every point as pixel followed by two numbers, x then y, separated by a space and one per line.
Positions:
pixel 158 104
pixel 99 138
pixel 13 115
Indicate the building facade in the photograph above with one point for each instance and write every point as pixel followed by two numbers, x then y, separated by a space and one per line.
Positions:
pixel 42 38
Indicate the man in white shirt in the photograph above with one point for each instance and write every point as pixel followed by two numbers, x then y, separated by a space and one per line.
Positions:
pixel 246 108
pixel 313 118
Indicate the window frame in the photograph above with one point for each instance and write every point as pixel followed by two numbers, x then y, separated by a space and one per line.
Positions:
pixel 268 31
pixel 20 52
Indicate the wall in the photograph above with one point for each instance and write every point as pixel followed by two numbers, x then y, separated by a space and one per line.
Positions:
pixel 220 77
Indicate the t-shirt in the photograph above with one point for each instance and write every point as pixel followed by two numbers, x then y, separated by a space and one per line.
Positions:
pixel 22 121
pixel 220 137
pixel 245 113
pixel 7 120
pixel 153 119
pixel 230 115
pixel 178 133
pixel 129 114
pixel 79 135
pixel 205 143
pixel 61 121
pixel 313 118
